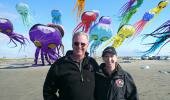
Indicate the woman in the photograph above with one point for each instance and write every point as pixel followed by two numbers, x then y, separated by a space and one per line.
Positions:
pixel 112 82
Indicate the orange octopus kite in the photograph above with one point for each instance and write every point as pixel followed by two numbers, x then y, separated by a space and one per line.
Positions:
pixel 80 7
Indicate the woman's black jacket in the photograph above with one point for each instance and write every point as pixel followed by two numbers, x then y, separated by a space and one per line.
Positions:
pixel 118 86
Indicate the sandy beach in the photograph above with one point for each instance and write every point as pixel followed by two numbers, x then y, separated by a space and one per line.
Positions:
pixel 20 81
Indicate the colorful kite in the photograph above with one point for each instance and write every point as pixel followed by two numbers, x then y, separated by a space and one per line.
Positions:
pixel 6 27
pixel 162 34
pixel 126 7
pixel 79 6
pixel 125 31
pixel 162 4
pixel 88 17
pixel 129 11
pixel 24 10
pixel 56 16
pixel 139 26
pixel 48 40
pixel 99 33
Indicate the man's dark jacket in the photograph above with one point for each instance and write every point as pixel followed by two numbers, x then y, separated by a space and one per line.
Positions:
pixel 118 86
pixel 72 81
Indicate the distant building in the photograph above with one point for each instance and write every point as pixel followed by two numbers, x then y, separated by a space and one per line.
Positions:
pixel 155 57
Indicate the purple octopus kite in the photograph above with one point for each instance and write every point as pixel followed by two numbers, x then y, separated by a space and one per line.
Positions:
pixel 6 27
pixel 48 40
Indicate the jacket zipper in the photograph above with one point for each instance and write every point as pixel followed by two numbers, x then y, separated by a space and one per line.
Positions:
pixel 79 66
pixel 80 69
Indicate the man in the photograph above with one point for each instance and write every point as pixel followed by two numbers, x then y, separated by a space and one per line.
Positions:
pixel 72 77
pixel 112 82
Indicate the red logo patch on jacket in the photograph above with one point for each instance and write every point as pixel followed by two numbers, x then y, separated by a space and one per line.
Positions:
pixel 119 83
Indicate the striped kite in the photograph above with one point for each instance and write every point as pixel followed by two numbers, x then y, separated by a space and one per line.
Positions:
pixel 139 26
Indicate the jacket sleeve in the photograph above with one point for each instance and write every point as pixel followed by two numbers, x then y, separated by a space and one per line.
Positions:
pixel 50 85
pixel 131 90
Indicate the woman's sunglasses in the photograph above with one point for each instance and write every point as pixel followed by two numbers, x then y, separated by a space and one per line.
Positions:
pixel 79 43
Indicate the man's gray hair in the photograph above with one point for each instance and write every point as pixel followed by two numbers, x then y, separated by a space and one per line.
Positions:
pixel 80 33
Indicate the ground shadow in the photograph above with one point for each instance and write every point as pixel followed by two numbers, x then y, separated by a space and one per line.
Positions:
pixel 18 66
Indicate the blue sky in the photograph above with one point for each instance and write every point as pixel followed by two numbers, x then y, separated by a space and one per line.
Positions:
pixel 41 13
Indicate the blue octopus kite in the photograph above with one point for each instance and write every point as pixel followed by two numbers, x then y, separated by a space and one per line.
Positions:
pixel 24 10
pixel 162 34
pixel 99 33
pixel 56 16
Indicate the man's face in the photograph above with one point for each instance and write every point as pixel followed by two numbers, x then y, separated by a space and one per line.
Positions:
pixel 110 60
pixel 80 45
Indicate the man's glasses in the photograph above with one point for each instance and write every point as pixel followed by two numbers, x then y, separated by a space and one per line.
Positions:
pixel 79 43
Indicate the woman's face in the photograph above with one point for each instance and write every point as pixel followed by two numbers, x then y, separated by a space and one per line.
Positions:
pixel 110 61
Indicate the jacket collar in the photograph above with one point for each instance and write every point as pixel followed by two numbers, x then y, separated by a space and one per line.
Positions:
pixel 70 52
pixel 118 71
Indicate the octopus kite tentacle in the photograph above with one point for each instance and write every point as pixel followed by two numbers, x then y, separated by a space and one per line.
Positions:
pixel 159 41
pixel 6 27
pixel 60 47
pixel 94 46
pixel 140 24
pixel 19 38
pixel 125 18
pixel 162 34
pixel 125 8
pixel 54 53
pixel 51 53
pixel 163 29
pixel 79 6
